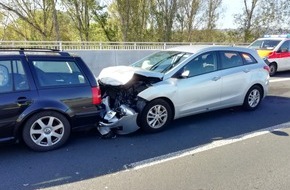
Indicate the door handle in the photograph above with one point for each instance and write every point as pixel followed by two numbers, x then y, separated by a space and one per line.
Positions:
pixel 246 70
pixel 22 101
pixel 216 78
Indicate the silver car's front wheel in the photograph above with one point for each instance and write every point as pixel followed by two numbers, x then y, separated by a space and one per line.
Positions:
pixel 253 98
pixel 155 116
pixel 46 131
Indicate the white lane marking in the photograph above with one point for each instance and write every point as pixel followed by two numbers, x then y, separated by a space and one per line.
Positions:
pixel 198 149
pixel 279 80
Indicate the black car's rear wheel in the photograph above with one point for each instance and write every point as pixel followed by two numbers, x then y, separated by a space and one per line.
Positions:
pixel 46 131
pixel 155 116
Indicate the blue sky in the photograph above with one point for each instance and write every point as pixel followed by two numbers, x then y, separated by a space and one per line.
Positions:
pixel 230 7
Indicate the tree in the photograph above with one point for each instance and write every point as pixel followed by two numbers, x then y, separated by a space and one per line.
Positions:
pixel 80 12
pixel 55 20
pixel 212 13
pixel 249 19
pixel 2 26
pixel 37 14
pixel 133 17
pixel 262 16
pixel 186 17
pixel 164 13
pixel 276 15
pixel 102 18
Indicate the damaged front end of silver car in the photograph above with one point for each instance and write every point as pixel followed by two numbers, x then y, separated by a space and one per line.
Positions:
pixel 120 87
pixel 122 120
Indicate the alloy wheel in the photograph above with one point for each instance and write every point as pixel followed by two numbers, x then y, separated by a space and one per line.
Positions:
pixel 157 116
pixel 254 98
pixel 47 131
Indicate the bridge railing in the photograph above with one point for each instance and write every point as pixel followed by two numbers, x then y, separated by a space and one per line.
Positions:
pixel 92 45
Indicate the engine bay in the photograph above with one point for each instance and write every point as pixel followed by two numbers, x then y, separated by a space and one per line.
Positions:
pixel 122 104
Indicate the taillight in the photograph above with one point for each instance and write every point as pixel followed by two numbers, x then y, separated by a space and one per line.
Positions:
pixel 267 68
pixel 96 91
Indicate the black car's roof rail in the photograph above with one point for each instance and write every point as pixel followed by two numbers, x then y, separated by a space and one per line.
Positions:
pixel 22 50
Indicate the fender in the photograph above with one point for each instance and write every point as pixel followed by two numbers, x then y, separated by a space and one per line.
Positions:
pixel 165 89
pixel 38 106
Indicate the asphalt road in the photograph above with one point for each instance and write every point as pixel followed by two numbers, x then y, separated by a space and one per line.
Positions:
pixel 89 162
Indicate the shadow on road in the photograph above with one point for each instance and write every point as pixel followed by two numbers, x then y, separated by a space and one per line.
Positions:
pixel 87 156
pixel 282 74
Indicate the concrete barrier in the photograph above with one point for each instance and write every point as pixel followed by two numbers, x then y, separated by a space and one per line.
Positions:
pixel 99 59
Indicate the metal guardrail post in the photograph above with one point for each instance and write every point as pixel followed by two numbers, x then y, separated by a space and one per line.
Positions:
pixel 60 45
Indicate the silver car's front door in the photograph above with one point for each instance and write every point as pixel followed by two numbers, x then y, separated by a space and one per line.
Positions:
pixel 201 90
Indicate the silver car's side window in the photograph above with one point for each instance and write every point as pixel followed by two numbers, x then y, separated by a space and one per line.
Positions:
pixel 230 59
pixel 248 59
pixel 202 64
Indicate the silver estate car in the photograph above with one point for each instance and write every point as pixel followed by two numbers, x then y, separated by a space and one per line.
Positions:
pixel 179 82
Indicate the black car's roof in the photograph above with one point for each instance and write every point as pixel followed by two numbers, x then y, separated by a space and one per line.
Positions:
pixel 32 51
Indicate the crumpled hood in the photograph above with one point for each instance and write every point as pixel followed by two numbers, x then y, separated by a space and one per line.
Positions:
pixel 120 75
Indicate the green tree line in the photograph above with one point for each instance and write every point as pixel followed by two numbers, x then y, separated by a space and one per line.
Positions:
pixel 139 20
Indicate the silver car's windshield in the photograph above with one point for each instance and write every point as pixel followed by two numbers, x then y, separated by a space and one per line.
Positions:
pixel 265 44
pixel 162 61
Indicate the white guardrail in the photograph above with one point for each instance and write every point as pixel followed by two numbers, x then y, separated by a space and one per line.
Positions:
pixel 75 45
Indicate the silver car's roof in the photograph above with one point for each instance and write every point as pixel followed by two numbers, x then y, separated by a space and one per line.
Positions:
pixel 200 48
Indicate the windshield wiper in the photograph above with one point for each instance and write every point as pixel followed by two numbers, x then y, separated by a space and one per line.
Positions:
pixel 173 64
pixel 162 61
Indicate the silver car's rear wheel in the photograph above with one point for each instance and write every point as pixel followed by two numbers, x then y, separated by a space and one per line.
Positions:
pixel 155 116
pixel 46 131
pixel 253 98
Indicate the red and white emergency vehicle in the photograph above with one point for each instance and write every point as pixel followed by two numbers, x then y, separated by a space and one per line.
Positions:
pixel 276 49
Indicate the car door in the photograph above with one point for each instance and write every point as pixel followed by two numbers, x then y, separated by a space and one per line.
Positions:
pixel 284 56
pixel 63 85
pixel 235 77
pixel 16 93
pixel 200 90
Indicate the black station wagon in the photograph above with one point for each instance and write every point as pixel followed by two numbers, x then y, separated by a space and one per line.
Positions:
pixel 44 95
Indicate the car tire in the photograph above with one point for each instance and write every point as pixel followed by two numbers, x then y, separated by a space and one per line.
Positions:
pixel 273 69
pixel 253 98
pixel 155 116
pixel 46 131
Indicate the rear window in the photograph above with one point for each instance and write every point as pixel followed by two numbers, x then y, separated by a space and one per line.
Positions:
pixel 58 73
pixel 248 58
